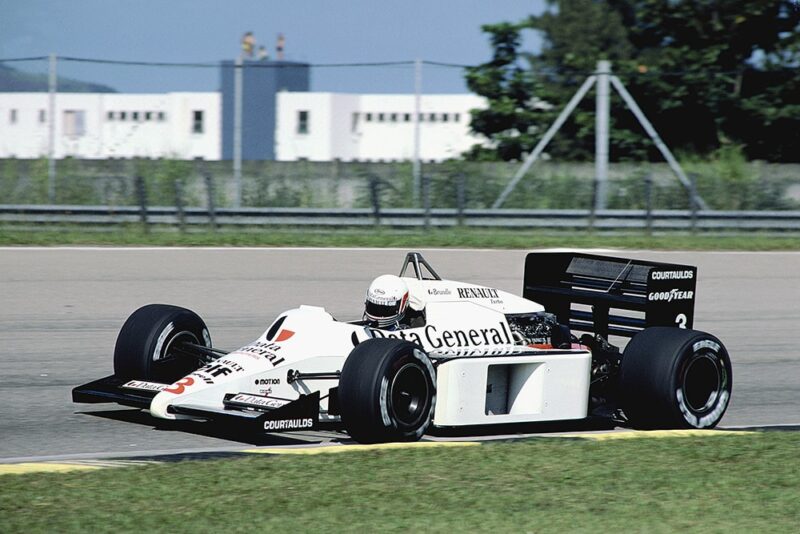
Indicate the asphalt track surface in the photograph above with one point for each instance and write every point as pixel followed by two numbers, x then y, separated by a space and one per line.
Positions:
pixel 61 310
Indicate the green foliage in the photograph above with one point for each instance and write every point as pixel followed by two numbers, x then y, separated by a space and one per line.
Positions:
pixel 165 179
pixel 708 74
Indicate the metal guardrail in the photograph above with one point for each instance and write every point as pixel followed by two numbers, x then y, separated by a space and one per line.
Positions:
pixel 662 220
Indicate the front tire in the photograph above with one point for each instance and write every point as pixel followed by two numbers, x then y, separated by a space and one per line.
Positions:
pixel 387 391
pixel 675 378
pixel 146 344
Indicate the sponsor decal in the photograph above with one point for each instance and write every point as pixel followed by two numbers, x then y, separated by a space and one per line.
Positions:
pixel 283 335
pixel 430 336
pixel 268 381
pixel 263 349
pixel 439 292
pixel 706 344
pixel 289 424
pixel 256 400
pixel 706 420
pixel 144 386
pixel 477 293
pixel 669 296
pixel 496 301
pixel 379 291
pixel 162 337
pixel 223 367
pixel 671 275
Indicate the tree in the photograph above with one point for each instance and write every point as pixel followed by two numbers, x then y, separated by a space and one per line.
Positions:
pixel 707 73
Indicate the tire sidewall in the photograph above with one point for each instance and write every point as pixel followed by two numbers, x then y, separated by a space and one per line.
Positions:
pixel 142 347
pixel 407 356
pixel 703 347
pixel 652 379
pixel 365 391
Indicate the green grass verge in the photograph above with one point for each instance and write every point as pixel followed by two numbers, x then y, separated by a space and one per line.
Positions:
pixel 369 237
pixel 724 483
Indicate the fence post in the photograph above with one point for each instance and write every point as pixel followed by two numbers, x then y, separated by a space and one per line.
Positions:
pixel 648 202
pixel 426 198
pixel 593 207
pixel 375 196
pixel 179 205
pixel 201 169
pixel 141 194
pixel 693 200
pixel 461 196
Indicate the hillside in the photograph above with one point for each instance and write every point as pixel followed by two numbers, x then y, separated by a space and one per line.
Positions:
pixel 13 80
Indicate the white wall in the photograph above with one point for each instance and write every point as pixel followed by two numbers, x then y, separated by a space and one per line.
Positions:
pixel 103 136
pixel 373 127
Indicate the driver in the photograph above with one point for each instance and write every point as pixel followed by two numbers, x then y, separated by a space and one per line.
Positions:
pixel 387 301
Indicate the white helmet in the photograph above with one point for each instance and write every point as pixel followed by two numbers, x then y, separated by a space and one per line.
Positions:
pixel 387 299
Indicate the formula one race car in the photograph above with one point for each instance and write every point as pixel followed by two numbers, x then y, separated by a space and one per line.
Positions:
pixel 472 356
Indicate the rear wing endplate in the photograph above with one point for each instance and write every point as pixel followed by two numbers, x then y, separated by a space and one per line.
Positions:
pixel 623 295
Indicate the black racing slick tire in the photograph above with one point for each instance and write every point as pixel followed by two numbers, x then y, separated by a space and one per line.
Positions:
pixel 146 344
pixel 675 378
pixel 387 391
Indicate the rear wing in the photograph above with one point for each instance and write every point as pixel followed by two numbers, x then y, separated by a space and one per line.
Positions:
pixel 646 293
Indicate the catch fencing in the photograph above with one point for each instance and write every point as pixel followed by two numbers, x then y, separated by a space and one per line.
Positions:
pixel 192 194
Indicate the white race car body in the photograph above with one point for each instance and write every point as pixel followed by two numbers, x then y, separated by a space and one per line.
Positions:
pixel 483 376
pixel 467 355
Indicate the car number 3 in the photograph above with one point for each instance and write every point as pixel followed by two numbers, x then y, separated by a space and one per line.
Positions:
pixel 180 385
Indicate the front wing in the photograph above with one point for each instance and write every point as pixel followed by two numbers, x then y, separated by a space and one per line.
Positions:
pixel 255 413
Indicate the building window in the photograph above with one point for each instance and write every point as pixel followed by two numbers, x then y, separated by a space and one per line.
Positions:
pixel 406 117
pixel 123 115
pixel 420 117
pixel 381 117
pixel 148 115
pixel 445 117
pixel 302 122
pixel 456 117
pixel 12 116
pixel 110 116
pixel 42 116
pixel 354 123
pixel 368 117
pixel 197 121
pixel 74 123
pixel 393 117
pixel 432 117
pixel 162 116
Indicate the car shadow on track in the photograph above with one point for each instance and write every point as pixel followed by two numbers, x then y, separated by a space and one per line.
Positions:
pixel 218 431
pixel 510 430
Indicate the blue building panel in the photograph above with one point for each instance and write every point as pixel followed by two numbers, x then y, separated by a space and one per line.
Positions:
pixel 261 81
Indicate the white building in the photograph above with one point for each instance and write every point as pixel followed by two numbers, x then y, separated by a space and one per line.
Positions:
pixel 372 127
pixel 103 125
pixel 311 126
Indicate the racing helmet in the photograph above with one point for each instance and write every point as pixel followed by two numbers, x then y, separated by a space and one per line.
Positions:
pixel 387 299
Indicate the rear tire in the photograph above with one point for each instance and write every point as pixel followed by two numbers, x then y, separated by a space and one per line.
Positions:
pixel 675 378
pixel 387 391
pixel 144 349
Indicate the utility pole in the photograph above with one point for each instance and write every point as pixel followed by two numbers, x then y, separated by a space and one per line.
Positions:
pixel 601 135
pixel 237 132
pixel 52 87
pixel 416 165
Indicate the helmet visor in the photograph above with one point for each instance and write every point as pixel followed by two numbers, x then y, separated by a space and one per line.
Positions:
pixel 382 311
